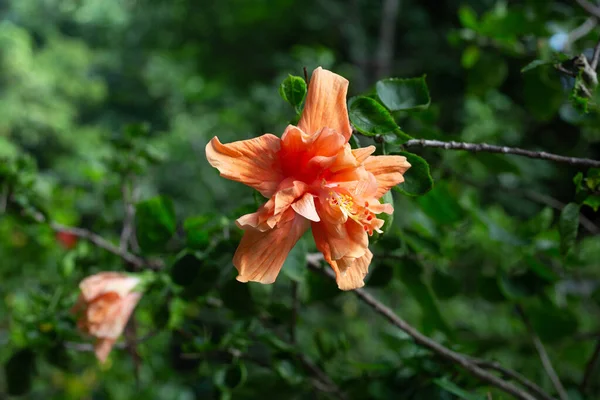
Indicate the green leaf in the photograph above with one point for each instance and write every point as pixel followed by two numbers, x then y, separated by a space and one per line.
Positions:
pixel 381 275
pixel 550 322
pixel 444 285
pixel 417 180
pixel 155 223
pixel 19 370
pixel 468 17
pixel 441 205
pixel 231 376
pixel 295 264
pixel 403 94
pixel 451 387
pixel 568 224
pixel 534 64
pixel 593 201
pixel 197 232
pixel 185 269
pixel 237 297
pixel 411 274
pixel 521 285
pixel 370 118
pixel 470 56
pixel 293 90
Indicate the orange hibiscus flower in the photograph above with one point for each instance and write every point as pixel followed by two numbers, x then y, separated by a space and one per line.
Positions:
pixel 104 306
pixel 311 177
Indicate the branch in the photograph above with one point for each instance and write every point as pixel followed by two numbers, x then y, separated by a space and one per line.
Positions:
pixel 589 7
pixel 532 387
pixel 450 355
pixel 546 363
pixel 590 367
pixel 129 219
pixel 596 56
pixel 475 147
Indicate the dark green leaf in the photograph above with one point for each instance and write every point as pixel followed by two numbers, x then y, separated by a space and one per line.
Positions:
pixel 403 94
pixel 295 263
pixel 411 274
pixel 417 180
pixel 444 285
pixel 185 269
pixel 550 322
pixel 568 224
pixel 441 205
pixel 293 90
pixel 231 376
pixel 370 118
pixel 19 370
pixel 155 223
pixel 237 297
pixel 593 201
pixel 521 285
pixel 197 231
pixel 380 275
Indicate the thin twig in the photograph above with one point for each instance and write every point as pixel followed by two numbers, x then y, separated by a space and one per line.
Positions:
pixel 589 7
pixel 595 56
pixel 129 218
pixel 294 314
pixel 590 368
pixel 488 148
pixel 450 355
pixel 320 375
pixel 546 363
pixel 532 387
pixel 581 31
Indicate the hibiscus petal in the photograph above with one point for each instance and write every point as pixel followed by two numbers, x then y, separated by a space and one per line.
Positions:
pixel 102 348
pixel 116 316
pixel 253 162
pixel 326 104
pixel 306 207
pixel 260 255
pixel 350 272
pixel 285 197
pixel 362 153
pixel 388 171
pixel 336 241
pixel 104 282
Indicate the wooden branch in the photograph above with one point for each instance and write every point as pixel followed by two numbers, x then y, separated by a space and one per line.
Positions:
pixel 590 368
pixel 450 355
pixel 488 148
pixel 545 359
pixel 589 7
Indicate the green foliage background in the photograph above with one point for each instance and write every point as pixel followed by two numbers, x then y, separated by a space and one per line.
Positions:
pixel 101 96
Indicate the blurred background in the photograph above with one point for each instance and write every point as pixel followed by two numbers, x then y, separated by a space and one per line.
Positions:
pixel 101 97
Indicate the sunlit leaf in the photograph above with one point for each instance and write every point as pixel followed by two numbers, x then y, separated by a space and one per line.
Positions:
pixel 417 180
pixel 370 118
pixel 403 94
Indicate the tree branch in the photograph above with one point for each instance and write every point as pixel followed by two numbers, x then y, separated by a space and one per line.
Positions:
pixel 128 192
pixel 475 147
pixel 589 7
pixel 532 387
pixel 546 363
pixel 450 355
pixel 595 56
pixel 590 367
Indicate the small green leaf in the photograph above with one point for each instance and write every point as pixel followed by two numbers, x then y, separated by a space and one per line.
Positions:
pixel 197 234
pixel 444 285
pixel 417 180
pixel 550 322
pixel 468 17
pixel 231 376
pixel 237 297
pixel 593 201
pixel 293 90
pixel 470 56
pixel 449 386
pixel 568 225
pixel 403 94
pixel 155 223
pixel 19 370
pixel 535 64
pixel 370 118
pixel 295 264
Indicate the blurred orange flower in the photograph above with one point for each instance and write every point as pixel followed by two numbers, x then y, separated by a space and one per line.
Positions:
pixel 104 306
pixel 311 177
